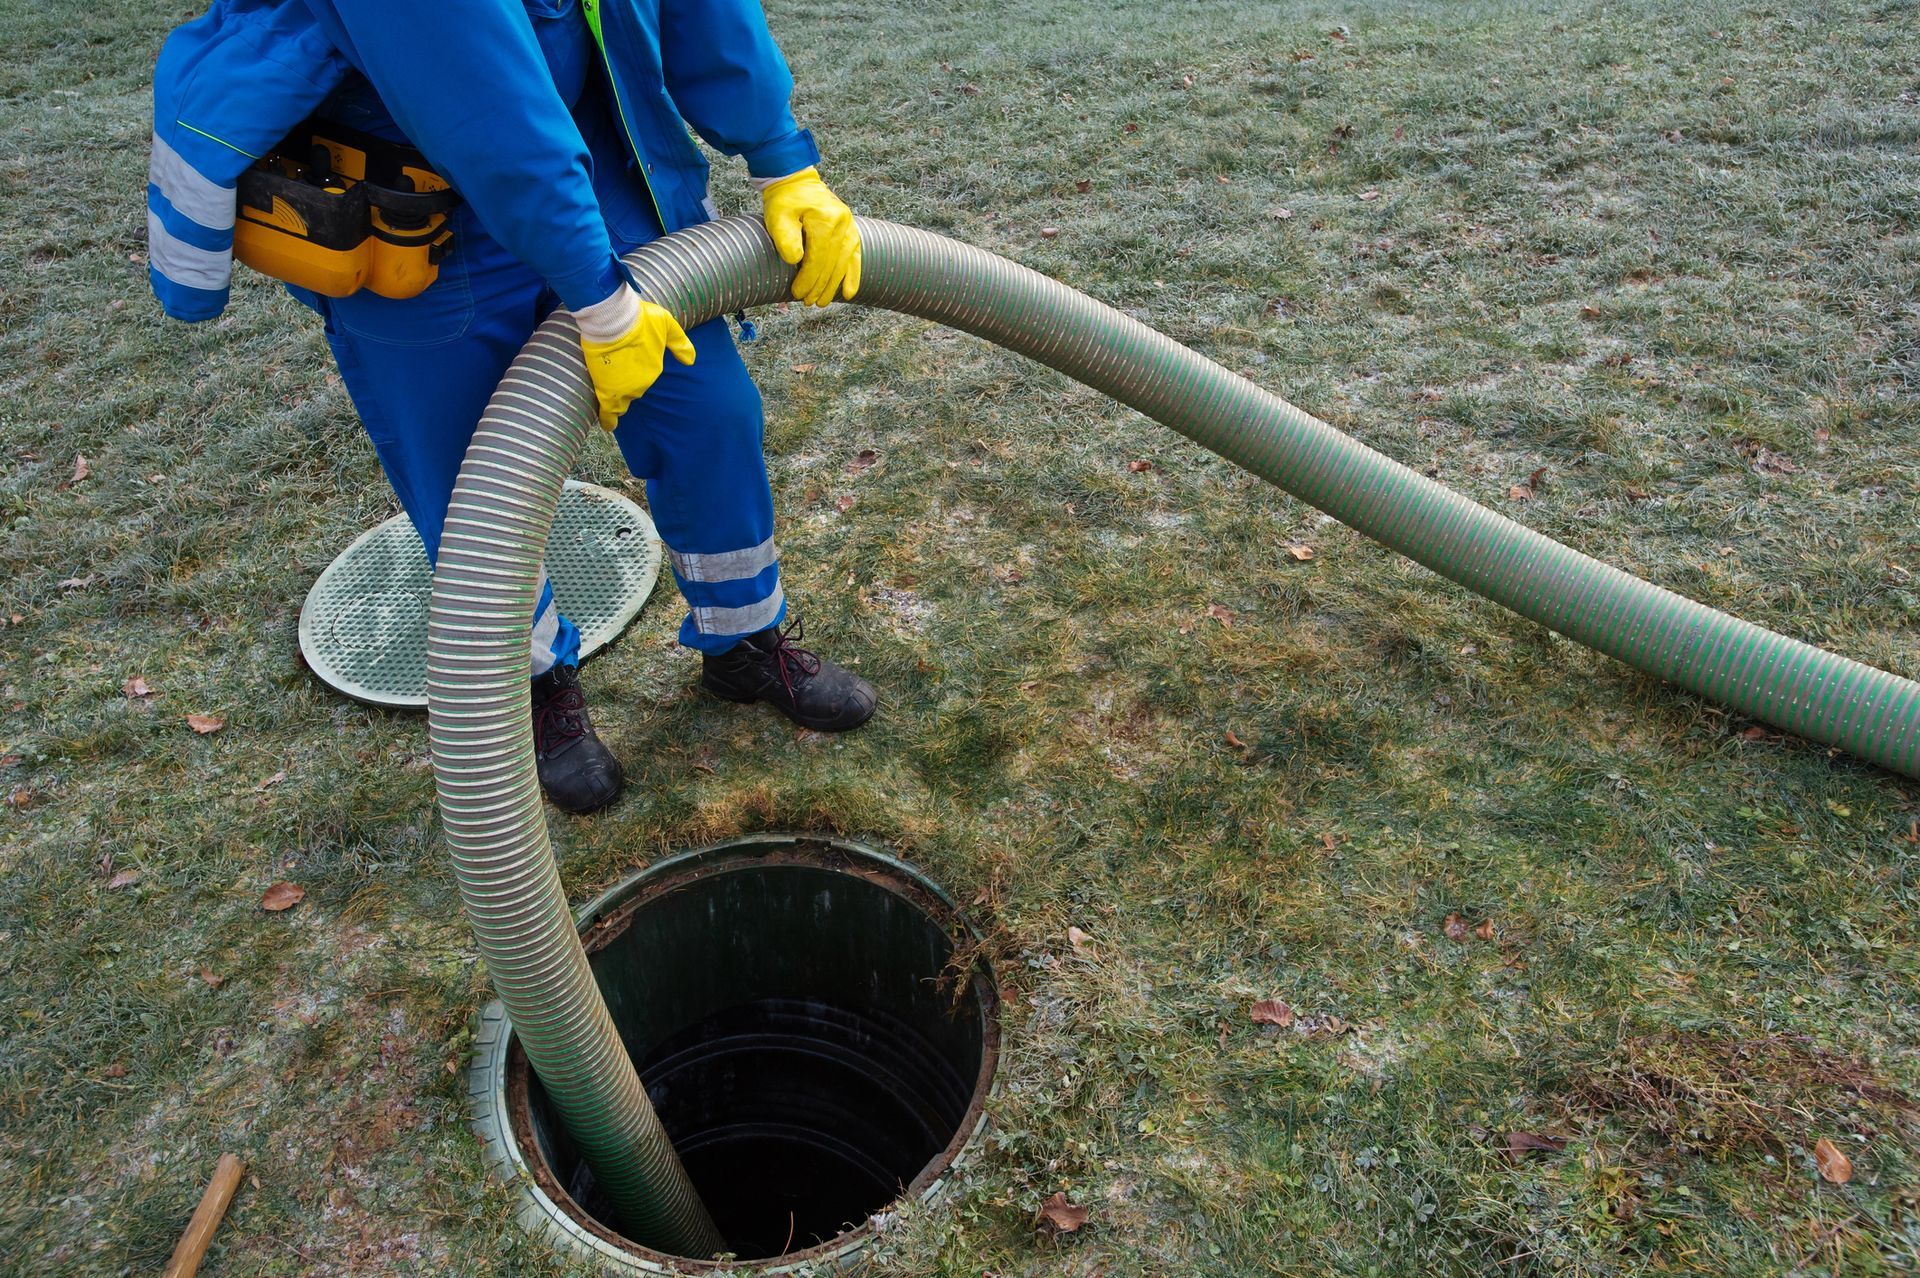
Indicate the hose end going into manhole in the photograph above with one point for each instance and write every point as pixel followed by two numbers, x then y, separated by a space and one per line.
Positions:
pixel 813 1028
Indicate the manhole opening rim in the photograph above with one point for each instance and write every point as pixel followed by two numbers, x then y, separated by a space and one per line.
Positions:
pixel 607 916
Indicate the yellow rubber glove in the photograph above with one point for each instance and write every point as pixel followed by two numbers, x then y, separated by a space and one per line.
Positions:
pixel 630 361
pixel 813 229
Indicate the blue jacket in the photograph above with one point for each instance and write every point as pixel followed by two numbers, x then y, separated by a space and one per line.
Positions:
pixel 470 86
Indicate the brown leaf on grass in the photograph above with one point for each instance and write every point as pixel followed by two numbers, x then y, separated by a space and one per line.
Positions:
pixel 1302 553
pixel 1271 1011
pixel 1369 195
pixel 1049 232
pixel 80 468
pixel 1082 943
pixel 136 687
pixel 1281 215
pixel 21 799
pixel 862 460
pixel 126 878
pixel 115 1070
pixel 1835 1167
pixel 75 583
pixel 971 89
pixel 1455 927
pixel 1083 185
pixel 273 780
pixel 1338 33
pixel 1139 466
pixel 205 723
pixel 282 896
pixel 211 978
pixel 1485 930
pixel 1589 312
pixel 1400 133
pixel 1326 841
pixel 1234 741
pixel 804 368
pixel 843 504
pixel 1518 1144
pixel 1538 479
pixel 1519 492
pixel 1220 615
pixel 1060 1215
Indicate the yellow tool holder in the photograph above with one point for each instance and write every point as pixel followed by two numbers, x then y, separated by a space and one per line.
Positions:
pixel 335 210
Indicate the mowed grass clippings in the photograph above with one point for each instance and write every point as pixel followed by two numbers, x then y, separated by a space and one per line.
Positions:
pixel 1641 274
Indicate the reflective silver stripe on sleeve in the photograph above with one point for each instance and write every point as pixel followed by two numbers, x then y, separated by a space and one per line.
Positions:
pixel 181 262
pixel 190 192
pixel 740 621
pixel 729 565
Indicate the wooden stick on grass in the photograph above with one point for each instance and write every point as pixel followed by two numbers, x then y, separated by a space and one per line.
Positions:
pixel 206 1218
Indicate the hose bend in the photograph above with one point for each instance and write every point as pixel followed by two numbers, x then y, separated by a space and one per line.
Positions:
pixel 509 486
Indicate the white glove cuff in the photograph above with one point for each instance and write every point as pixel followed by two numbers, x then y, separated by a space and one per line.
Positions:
pixel 761 184
pixel 610 318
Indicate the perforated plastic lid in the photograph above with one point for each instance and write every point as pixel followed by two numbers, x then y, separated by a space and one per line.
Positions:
pixel 363 628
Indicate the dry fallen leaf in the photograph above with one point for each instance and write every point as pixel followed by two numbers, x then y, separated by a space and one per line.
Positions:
pixel 1326 841
pixel 1049 232
pixel 1835 1167
pixel 1369 194
pixel 1271 1011
pixel 126 878
pixel 21 799
pixel 275 779
pixel 1281 215
pixel 75 583
pixel 1518 1143
pixel 1081 942
pixel 212 979
pixel 1485 930
pixel 1302 553
pixel 115 1070
pixel 1455 928
pixel 282 896
pixel 1139 466
pixel 1063 1216
pixel 1220 615
pixel 804 368
pixel 1519 492
pixel 843 504
pixel 137 687
pixel 1589 312
pixel 863 459
pixel 205 723
pixel 1234 741
pixel 80 469
pixel 1083 185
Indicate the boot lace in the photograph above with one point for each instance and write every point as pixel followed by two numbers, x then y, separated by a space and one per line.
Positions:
pixel 559 719
pixel 796 665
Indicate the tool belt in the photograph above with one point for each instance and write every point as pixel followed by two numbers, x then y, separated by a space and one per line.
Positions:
pixel 335 210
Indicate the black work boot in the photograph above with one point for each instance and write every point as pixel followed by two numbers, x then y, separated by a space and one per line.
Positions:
pixel 808 689
pixel 578 773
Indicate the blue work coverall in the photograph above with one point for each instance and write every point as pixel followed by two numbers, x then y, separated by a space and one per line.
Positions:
pixel 567 150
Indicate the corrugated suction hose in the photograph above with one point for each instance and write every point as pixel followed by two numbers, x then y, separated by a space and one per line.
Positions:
pixel 503 505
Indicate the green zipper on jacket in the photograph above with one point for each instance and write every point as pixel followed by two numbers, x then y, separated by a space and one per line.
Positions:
pixel 592 9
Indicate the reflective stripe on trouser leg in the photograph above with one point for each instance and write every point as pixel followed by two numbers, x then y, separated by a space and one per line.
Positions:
pixel 556 641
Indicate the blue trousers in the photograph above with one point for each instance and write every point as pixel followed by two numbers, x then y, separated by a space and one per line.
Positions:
pixel 420 372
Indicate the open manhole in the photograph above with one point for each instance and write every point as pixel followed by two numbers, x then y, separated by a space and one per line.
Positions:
pixel 363 627
pixel 813 1031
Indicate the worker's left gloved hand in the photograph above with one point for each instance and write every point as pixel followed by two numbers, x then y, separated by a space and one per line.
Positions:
pixel 626 341
pixel 813 229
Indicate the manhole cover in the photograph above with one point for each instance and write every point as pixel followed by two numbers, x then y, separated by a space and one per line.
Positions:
pixel 363 628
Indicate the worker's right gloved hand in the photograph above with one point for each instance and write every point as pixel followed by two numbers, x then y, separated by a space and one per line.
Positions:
pixel 625 341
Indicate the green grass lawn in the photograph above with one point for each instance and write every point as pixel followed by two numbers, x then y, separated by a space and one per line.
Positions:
pixel 1656 260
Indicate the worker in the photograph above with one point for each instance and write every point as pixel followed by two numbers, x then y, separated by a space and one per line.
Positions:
pixel 561 126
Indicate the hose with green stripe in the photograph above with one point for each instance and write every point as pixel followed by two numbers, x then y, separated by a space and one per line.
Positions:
pixel 489 571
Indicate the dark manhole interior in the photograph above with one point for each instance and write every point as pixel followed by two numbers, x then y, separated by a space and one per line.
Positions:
pixel 810 1043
